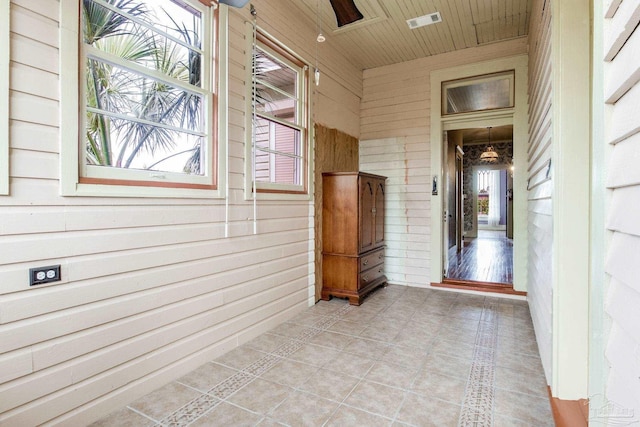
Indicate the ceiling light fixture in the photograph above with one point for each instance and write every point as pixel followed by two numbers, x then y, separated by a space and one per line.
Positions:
pixel 320 39
pixel 489 155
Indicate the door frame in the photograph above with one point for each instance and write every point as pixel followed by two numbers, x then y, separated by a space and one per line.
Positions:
pixel 459 171
pixel 516 116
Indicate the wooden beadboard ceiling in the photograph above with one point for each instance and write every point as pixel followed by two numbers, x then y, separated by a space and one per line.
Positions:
pixel 383 36
pixel 481 135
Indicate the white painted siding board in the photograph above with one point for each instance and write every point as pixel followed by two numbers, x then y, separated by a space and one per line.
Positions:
pixel 73 345
pixel 48 10
pixel 625 369
pixel 33 81
pixel 44 300
pixel 35 137
pixel 15 365
pixel 624 70
pixel 625 121
pixel 42 28
pixel 97 362
pixel 41 220
pixel 626 157
pixel 625 211
pixel 33 53
pixel 29 108
pixel 85 391
pixel 619 27
pixel 390 157
pixel 108 264
pixel 610 7
pixel 22 165
pixel 621 305
pixel 540 204
pixel 623 259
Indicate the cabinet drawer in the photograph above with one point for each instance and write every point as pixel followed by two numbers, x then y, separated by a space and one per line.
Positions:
pixel 371 275
pixel 369 260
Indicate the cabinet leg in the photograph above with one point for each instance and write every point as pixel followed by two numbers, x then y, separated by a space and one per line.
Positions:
pixel 354 300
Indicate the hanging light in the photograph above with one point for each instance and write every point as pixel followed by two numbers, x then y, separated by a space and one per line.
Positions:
pixel 320 39
pixel 489 155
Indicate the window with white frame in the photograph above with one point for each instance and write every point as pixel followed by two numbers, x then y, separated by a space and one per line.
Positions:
pixel 478 93
pixel 146 95
pixel 4 97
pixel 280 120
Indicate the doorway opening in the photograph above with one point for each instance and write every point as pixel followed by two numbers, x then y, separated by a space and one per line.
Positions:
pixel 479 206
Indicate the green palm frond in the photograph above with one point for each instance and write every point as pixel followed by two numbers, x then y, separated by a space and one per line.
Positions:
pixel 100 22
pixel 111 88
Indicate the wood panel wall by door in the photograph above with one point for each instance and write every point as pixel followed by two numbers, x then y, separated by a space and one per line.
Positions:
pixel 335 151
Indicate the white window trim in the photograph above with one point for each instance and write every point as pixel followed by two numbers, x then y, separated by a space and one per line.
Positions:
pixel 272 191
pixel 70 184
pixel 5 9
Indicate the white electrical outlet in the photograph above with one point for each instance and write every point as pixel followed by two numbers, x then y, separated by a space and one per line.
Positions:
pixel 40 275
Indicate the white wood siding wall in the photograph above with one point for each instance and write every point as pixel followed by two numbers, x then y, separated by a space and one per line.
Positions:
pixel 540 219
pixel 622 93
pixel 150 288
pixel 394 141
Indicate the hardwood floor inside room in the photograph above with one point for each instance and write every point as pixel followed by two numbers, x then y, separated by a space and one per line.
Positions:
pixel 487 258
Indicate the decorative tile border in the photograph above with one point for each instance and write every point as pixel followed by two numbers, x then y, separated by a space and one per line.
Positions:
pixel 477 405
pixel 206 402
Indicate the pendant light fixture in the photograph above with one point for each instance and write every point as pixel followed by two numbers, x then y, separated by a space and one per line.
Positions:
pixel 489 155
pixel 319 39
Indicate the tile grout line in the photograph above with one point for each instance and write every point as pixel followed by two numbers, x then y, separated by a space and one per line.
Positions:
pixel 204 403
pixel 477 404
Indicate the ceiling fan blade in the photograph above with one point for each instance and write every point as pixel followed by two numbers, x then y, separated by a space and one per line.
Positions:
pixel 346 12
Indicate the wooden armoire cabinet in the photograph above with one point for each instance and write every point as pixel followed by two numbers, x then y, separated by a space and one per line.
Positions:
pixel 352 234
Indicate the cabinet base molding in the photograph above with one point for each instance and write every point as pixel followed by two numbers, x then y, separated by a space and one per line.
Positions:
pixel 355 297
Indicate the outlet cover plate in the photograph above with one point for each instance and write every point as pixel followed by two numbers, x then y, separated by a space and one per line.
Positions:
pixel 40 275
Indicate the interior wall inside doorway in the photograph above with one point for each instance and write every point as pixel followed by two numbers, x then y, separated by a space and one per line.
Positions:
pixel 475 142
pixel 452 204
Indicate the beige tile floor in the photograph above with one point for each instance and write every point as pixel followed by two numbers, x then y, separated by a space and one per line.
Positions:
pixel 405 357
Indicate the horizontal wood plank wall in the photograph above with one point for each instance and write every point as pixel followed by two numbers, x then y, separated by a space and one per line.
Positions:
pixel 150 288
pixel 394 141
pixel 622 93
pixel 540 194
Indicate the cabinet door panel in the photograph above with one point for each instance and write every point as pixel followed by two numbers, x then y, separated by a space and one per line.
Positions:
pixel 379 214
pixel 367 205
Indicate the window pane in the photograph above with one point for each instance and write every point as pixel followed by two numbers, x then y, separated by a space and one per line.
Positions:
pixel 278 157
pixel 276 73
pixel 121 103
pixel 275 103
pixel 167 40
pixel 478 96
pixel 277 168
pixel 134 145
pixel 279 120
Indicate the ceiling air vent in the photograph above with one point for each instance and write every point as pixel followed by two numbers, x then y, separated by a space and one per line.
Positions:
pixel 421 21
